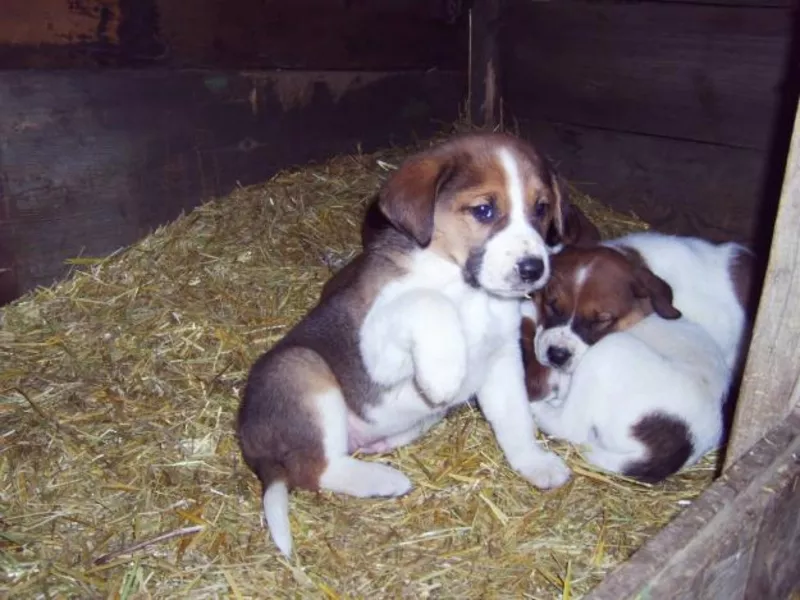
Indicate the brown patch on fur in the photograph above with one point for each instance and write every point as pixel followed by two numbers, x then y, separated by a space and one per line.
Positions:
pixel 536 374
pixel 282 440
pixel 615 294
pixel 650 286
pixel 669 443
pixel 578 229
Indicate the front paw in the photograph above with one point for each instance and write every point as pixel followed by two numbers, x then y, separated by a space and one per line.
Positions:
pixel 545 470
pixel 441 373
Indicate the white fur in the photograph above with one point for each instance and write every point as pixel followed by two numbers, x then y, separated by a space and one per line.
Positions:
pixel 516 241
pixel 344 474
pixel 559 337
pixel 698 272
pixel 657 366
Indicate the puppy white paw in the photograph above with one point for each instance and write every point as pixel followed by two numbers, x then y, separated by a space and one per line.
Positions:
pixel 390 482
pixel 441 372
pixel 546 471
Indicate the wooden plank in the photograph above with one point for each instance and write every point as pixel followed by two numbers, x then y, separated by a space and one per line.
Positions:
pixel 680 187
pixel 246 34
pixel 316 34
pixel 92 160
pixel 771 382
pixel 686 71
pixel 749 3
pixel 739 540
pixel 484 65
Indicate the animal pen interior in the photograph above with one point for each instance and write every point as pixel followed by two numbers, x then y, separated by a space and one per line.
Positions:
pixel 119 470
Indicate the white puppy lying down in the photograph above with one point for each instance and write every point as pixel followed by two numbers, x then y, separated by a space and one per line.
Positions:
pixel 646 391
pixel 646 401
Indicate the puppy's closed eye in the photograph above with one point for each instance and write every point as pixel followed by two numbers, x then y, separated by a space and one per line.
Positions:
pixel 603 321
pixel 551 309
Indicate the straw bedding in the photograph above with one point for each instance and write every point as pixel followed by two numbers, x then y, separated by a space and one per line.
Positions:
pixel 119 471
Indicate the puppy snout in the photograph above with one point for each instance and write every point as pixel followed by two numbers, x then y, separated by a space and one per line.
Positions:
pixel 558 356
pixel 530 269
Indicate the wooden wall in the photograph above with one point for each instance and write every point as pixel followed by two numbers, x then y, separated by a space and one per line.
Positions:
pixel 665 108
pixel 130 111
pixel 234 34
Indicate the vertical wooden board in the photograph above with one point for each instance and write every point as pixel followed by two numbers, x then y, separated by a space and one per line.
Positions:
pixel 90 161
pixel 771 383
pixel 690 71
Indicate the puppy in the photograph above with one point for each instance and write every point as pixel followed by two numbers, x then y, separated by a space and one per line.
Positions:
pixel 626 375
pixel 425 318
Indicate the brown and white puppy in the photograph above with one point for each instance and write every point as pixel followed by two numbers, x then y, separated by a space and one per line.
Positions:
pixel 424 319
pixel 645 392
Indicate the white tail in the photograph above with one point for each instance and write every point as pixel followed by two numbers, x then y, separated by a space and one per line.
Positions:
pixel 276 512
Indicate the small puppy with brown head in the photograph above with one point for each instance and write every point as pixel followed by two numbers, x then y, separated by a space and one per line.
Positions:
pixel 424 319
pixel 614 366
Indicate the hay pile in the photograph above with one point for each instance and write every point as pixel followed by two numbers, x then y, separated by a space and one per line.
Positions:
pixel 120 474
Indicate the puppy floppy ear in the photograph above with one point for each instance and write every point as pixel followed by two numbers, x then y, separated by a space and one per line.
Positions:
pixel 578 229
pixel 647 284
pixel 408 198
pixel 561 202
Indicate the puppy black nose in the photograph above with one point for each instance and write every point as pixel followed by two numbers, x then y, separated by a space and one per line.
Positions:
pixel 558 356
pixel 530 269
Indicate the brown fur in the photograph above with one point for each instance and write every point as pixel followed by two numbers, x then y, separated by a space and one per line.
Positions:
pixel 536 373
pixel 669 443
pixel 617 293
pixel 578 229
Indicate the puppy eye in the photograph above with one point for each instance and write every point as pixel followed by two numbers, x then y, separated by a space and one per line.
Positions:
pixel 486 212
pixel 540 209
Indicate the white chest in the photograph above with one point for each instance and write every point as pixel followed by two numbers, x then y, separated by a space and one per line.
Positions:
pixel 477 328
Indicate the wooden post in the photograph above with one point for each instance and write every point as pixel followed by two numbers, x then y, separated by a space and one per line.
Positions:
pixel 484 104
pixel 771 383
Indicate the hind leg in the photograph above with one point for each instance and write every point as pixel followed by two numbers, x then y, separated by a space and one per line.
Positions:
pixel 608 460
pixel 343 473
pixel 612 452
pixel 403 438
